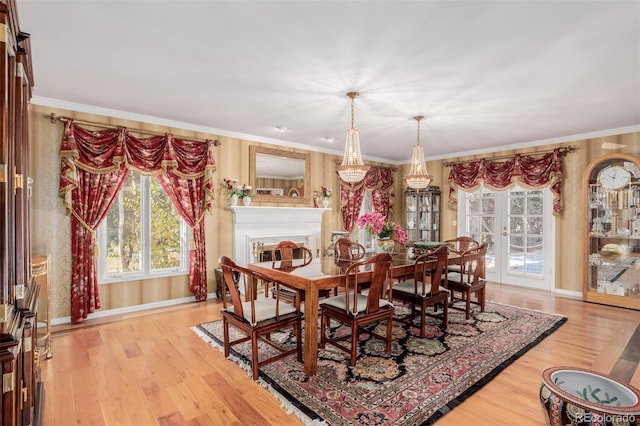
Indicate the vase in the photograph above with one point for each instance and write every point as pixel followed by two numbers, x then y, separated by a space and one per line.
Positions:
pixel 246 201
pixel 233 200
pixel 576 396
pixel 383 245
pixel 325 202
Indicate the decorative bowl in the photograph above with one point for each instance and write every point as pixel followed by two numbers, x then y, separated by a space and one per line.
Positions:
pixel 614 252
pixel 580 397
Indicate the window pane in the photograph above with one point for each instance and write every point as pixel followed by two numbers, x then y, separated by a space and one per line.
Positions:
pixel 124 229
pixel 516 205
pixel 516 225
pixel 534 205
pixel 535 225
pixel 488 204
pixel 165 230
pixel 474 204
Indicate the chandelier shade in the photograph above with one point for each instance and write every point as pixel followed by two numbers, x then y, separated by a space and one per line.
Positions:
pixel 352 169
pixel 418 177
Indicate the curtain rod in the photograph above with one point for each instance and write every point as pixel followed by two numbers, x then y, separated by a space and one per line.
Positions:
pixel 55 118
pixel 563 151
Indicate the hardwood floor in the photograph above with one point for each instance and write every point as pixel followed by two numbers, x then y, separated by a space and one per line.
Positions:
pixel 151 369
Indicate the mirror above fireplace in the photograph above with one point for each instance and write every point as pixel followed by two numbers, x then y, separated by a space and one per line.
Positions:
pixel 278 175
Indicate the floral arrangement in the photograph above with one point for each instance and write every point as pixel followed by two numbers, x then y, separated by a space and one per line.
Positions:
pixel 244 191
pixel 326 192
pixel 378 226
pixel 233 188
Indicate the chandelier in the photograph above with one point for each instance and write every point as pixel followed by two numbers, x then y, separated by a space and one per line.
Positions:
pixel 352 169
pixel 418 177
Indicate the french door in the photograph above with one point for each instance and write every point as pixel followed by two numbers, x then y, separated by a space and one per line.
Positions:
pixel 518 226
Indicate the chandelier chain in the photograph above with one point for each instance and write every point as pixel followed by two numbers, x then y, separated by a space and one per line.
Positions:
pixel 352 112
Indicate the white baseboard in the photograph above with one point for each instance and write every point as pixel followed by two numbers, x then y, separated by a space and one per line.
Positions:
pixel 130 309
pixel 569 293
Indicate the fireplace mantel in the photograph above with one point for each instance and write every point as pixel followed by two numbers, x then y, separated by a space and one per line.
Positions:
pixel 273 224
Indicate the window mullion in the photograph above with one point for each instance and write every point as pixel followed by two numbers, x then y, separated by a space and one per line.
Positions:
pixel 145 224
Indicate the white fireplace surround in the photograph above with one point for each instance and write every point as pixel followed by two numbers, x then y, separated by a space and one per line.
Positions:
pixel 270 225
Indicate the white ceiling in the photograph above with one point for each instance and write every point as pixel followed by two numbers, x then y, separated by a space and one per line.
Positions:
pixel 485 74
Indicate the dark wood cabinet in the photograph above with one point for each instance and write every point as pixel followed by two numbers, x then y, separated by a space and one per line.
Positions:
pixel 422 214
pixel 22 394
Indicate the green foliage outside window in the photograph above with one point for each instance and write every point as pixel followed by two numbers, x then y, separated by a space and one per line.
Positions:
pixel 125 234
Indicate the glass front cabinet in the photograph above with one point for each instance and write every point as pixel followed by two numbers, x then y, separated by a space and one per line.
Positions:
pixel 612 229
pixel 422 214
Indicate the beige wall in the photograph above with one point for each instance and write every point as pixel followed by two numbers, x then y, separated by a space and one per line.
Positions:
pixel 50 224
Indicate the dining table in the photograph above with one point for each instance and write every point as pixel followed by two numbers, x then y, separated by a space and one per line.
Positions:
pixel 324 272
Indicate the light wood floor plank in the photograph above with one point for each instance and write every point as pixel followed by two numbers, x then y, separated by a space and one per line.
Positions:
pixel 150 368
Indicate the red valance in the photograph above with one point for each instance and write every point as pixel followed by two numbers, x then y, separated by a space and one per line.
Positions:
pixel 533 171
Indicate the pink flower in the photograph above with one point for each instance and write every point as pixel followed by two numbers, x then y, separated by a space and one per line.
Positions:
pixel 377 225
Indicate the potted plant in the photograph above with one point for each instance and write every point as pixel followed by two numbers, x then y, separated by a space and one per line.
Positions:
pixel 382 230
pixel 244 193
pixel 326 194
pixel 231 188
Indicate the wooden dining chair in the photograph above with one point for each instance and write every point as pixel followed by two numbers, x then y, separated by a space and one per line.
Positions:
pixel 458 245
pixel 427 287
pixel 356 309
pixel 256 317
pixel 346 250
pixel 469 281
pixel 283 256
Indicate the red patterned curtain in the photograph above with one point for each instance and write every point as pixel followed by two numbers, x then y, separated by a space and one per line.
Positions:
pixel 94 166
pixel 189 185
pixel 531 171
pixel 379 181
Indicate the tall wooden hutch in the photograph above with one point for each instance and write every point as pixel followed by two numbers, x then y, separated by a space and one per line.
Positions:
pixel 22 394
pixel 422 214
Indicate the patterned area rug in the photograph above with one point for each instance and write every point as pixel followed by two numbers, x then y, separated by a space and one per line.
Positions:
pixel 418 382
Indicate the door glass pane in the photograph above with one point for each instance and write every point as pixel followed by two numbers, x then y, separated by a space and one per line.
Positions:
pixel 525 250
pixel 534 225
pixel 475 225
pixel 474 204
pixel 516 225
pixel 480 223
pixel 124 228
pixel 516 205
pixel 534 204
pixel 488 204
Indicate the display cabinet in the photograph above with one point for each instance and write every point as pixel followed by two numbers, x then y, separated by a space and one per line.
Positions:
pixel 21 401
pixel 612 230
pixel 40 270
pixel 422 214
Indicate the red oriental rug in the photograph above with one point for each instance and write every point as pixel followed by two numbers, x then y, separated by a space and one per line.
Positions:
pixel 418 382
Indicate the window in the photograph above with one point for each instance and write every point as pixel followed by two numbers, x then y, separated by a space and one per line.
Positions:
pixel 143 235
pixel 362 236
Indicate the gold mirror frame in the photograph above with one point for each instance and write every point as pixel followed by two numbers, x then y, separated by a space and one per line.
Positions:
pixel 253 178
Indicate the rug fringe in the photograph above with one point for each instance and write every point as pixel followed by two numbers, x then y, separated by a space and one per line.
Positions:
pixel 290 408
pixel 284 403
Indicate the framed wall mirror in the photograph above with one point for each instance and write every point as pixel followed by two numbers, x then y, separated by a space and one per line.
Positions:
pixel 279 176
